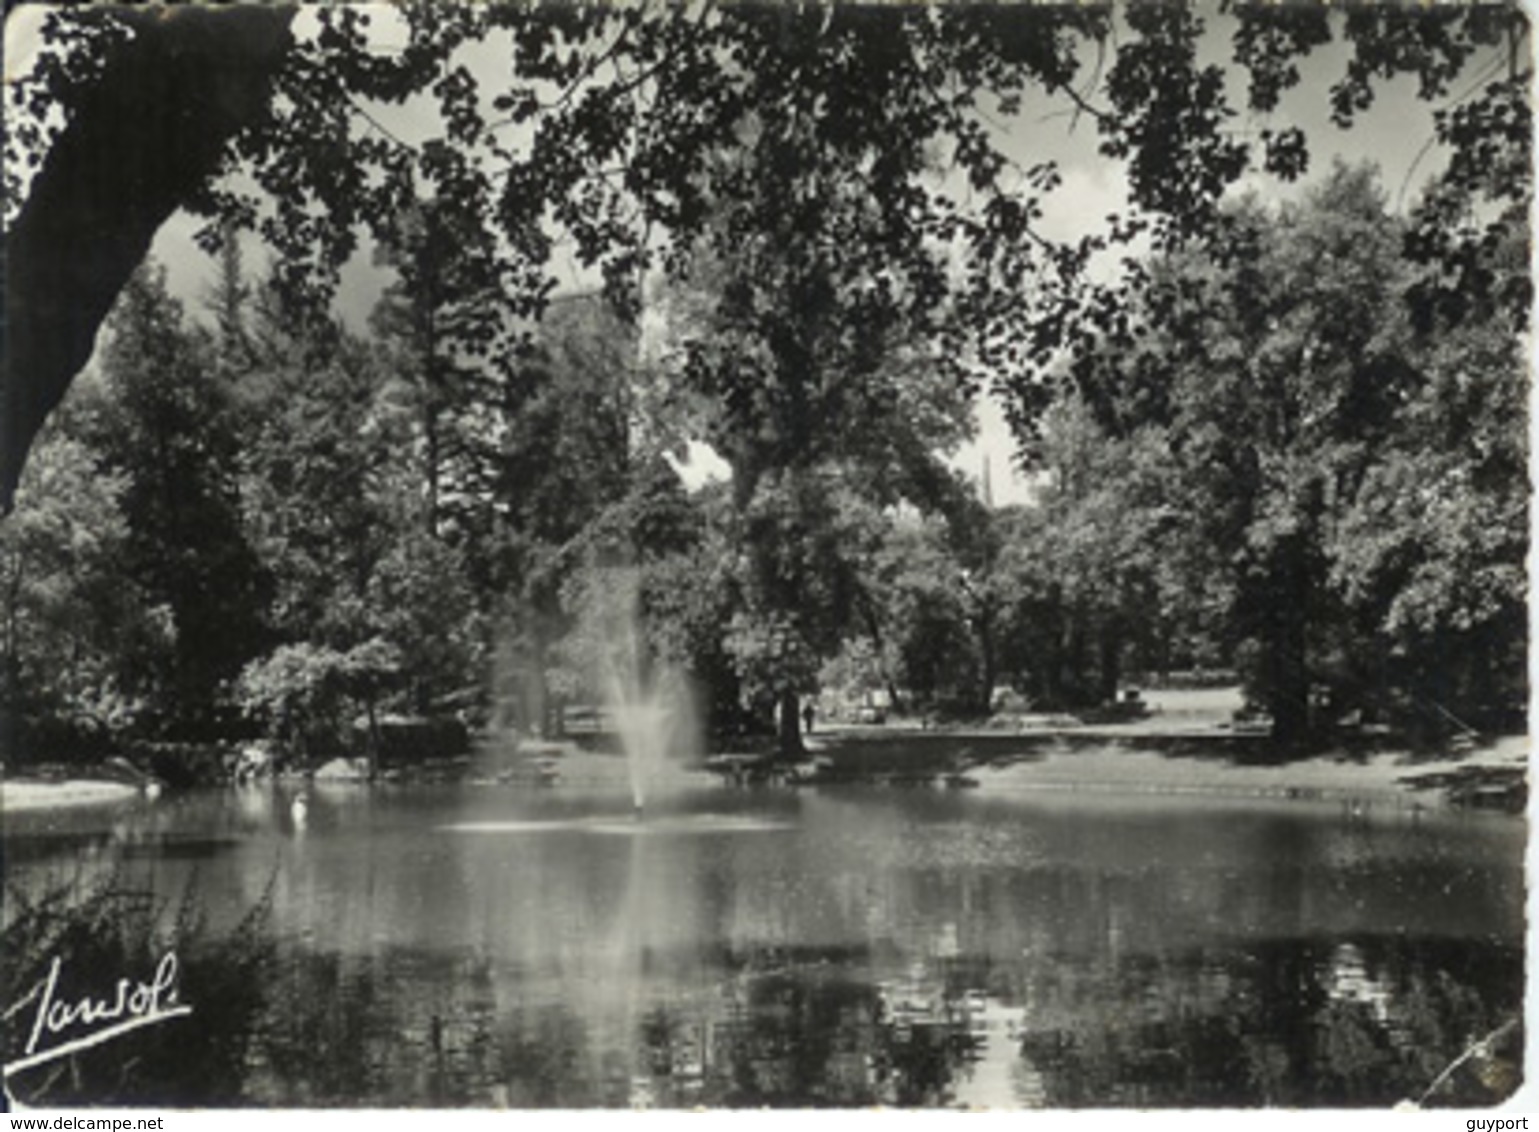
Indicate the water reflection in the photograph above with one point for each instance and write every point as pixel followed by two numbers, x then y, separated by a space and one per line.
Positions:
pixel 847 948
pixel 1268 1028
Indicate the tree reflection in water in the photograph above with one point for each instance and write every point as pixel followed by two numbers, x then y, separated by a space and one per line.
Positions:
pixel 896 948
pixel 1365 1021
pixel 1360 1022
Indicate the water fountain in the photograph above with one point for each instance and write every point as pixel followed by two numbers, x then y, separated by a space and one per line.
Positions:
pixel 644 730
pixel 644 699
pixel 648 711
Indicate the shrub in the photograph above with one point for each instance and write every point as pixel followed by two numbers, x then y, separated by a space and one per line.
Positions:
pixel 107 932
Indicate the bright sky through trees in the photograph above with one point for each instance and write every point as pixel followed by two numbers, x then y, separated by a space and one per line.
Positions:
pixel 1396 134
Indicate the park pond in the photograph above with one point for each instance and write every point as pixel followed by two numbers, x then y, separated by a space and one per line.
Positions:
pixel 501 945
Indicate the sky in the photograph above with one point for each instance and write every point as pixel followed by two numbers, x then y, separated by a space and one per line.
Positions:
pixel 1395 134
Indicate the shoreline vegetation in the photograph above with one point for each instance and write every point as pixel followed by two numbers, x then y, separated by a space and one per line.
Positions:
pixel 1269 437
pixel 1177 749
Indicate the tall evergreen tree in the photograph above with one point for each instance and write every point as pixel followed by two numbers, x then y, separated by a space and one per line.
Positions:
pixel 166 423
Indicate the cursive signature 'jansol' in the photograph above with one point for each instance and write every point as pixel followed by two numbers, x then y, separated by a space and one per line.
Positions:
pixel 135 1003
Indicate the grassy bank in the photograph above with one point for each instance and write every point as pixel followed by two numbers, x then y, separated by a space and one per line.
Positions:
pixel 32 794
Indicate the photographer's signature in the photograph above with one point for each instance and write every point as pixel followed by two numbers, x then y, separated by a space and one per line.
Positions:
pixel 63 1026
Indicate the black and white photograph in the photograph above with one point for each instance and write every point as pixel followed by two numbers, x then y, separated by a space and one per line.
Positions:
pixel 721 555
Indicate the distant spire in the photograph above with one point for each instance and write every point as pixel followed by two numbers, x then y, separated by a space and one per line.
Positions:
pixel 988 486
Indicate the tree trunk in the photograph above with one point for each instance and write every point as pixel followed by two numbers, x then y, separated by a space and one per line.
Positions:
pixel 1290 698
pixel 984 694
pixel 1046 674
pixel 1287 659
pixel 142 141
pixel 434 458
pixel 1072 661
pixel 374 744
pixel 790 729
pixel 552 713
pixel 1111 659
pixel 874 628
pixel 12 631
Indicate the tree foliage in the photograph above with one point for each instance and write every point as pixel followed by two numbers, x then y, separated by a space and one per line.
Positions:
pixel 75 628
pixel 605 127
pixel 1294 418
pixel 172 431
pixel 1285 375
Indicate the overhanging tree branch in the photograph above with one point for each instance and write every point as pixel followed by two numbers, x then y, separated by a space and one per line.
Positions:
pixel 142 142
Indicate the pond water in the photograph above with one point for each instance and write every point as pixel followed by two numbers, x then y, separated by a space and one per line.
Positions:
pixel 495 945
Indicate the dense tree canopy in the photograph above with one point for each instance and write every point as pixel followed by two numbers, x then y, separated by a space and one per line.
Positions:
pixel 602 126
pixel 1277 436
pixel 1284 376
